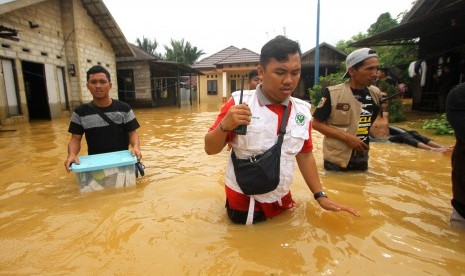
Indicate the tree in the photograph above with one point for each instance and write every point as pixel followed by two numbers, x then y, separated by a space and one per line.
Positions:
pixel 344 45
pixel 393 56
pixel 148 45
pixel 183 52
pixel 383 23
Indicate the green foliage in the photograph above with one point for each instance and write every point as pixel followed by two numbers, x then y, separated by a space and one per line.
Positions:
pixel 395 106
pixel 383 23
pixel 389 56
pixel 343 45
pixel 317 91
pixel 148 45
pixel 393 56
pixel 183 52
pixel 440 125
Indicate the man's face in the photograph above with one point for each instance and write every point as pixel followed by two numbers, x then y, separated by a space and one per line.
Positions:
pixel 99 86
pixel 365 75
pixel 254 82
pixel 280 79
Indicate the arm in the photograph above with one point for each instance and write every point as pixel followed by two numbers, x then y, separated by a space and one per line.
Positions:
pixel 351 140
pixel 134 142
pixel 307 167
pixel 236 115
pixel 74 147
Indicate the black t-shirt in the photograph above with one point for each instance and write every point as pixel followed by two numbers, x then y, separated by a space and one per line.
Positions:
pixel 369 111
pixel 102 137
pixel 455 110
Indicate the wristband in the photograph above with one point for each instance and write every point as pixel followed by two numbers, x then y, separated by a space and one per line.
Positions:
pixel 320 194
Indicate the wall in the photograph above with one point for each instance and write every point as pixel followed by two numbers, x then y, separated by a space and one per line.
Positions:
pixel 91 48
pixel 65 35
pixel 43 44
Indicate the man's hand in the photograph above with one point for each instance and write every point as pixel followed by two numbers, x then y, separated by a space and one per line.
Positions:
pixel 355 143
pixel 69 160
pixel 330 205
pixel 237 115
pixel 136 152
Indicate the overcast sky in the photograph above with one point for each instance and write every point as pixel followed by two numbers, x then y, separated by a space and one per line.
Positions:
pixel 212 25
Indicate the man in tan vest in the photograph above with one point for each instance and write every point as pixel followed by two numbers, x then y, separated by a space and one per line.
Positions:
pixel 346 112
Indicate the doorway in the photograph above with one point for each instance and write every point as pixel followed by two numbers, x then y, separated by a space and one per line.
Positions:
pixel 36 91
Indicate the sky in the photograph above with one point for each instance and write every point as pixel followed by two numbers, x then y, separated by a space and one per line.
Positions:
pixel 213 25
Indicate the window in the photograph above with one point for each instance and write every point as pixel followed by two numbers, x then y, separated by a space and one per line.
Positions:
pixel 10 79
pixel 233 86
pixel 212 87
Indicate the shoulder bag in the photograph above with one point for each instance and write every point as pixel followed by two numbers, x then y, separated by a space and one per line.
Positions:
pixel 259 174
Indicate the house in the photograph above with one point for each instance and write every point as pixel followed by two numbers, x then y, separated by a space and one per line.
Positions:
pixel 46 47
pixel 330 60
pixel 438 27
pixel 223 72
pixel 144 80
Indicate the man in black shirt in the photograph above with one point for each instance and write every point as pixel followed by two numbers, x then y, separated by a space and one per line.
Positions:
pixel 455 111
pixel 346 112
pixel 109 125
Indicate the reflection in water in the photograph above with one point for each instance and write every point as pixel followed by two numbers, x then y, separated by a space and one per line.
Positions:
pixel 174 221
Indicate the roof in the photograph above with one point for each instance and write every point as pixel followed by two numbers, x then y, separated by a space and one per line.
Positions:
pixel 209 62
pixel 242 56
pixel 100 15
pixel 426 18
pixel 230 55
pixel 160 68
pixel 139 54
pixel 324 44
pixel 163 68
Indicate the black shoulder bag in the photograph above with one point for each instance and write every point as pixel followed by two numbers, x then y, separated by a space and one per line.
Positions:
pixel 260 174
pixel 139 166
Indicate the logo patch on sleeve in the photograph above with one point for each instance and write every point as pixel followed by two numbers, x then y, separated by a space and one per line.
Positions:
pixel 322 102
pixel 300 119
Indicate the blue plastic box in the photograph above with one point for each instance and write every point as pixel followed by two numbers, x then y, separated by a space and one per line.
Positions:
pixel 106 170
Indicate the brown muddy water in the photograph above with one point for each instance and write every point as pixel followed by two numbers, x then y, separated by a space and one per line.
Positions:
pixel 174 223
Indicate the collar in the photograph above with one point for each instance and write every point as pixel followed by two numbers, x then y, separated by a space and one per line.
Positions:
pixel 262 100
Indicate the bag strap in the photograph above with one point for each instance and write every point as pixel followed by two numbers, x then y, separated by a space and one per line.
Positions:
pixel 282 130
pixel 284 121
pixel 101 114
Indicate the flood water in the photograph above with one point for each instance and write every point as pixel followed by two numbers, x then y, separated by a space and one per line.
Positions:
pixel 174 223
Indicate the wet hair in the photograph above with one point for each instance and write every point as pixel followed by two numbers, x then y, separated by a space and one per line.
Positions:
pixel 252 74
pixel 278 48
pixel 98 69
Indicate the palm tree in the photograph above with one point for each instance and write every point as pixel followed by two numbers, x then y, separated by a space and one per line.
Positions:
pixel 148 45
pixel 183 52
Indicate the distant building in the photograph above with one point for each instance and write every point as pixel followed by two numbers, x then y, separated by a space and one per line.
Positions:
pixel 145 80
pixel 222 73
pixel 331 59
pixel 46 47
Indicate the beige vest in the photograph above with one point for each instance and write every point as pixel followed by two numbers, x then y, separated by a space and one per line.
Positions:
pixel 345 115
